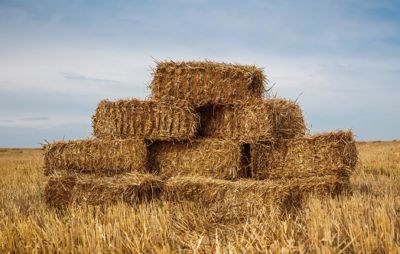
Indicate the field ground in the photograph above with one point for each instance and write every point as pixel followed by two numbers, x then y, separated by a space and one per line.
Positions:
pixel 367 221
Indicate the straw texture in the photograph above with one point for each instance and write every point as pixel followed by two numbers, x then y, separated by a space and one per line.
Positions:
pixel 272 194
pixel 231 194
pixel 207 82
pixel 255 120
pixel 207 157
pixel 322 154
pixel 130 188
pixel 154 120
pixel 96 156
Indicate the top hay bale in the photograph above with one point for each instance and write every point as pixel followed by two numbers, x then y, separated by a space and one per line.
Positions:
pixel 207 82
pixel 153 120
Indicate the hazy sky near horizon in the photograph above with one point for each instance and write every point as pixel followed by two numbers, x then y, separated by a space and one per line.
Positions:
pixel 58 59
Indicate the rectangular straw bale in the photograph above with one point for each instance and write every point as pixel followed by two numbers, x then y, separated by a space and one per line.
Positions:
pixel 332 153
pixel 242 193
pixel 96 156
pixel 131 188
pixel 236 194
pixel 154 120
pixel 250 121
pixel 206 157
pixel 206 82
pixel 301 189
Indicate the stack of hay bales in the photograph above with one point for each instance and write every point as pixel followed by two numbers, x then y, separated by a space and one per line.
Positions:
pixel 206 135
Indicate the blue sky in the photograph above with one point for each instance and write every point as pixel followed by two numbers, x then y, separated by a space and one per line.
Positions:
pixel 341 59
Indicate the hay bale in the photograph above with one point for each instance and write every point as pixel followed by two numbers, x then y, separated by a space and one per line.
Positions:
pixel 207 157
pixel 279 194
pixel 250 121
pixel 207 82
pixel 154 120
pixel 131 188
pixel 332 153
pixel 233 194
pixel 96 156
pixel 301 189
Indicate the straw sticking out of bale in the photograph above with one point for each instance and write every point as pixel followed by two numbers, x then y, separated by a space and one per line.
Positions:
pixel 207 157
pixel 207 82
pixel 158 120
pixel 251 121
pixel 130 188
pixel 96 156
pixel 322 154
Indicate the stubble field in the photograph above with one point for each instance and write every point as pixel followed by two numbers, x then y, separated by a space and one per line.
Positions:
pixel 365 221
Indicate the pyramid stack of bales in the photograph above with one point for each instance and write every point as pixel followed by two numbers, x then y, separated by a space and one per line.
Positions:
pixel 206 135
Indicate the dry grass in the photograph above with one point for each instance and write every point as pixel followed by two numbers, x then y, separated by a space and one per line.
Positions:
pixel 367 221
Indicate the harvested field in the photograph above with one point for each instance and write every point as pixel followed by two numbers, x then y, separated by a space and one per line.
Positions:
pixel 207 82
pixel 332 153
pixel 130 188
pixel 206 157
pixel 96 156
pixel 364 221
pixel 166 120
pixel 255 120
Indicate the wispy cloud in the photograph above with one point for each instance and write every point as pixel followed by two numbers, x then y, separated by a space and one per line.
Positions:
pixel 21 121
pixel 38 118
pixel 6 121
pixel 43 122
pixel 80 77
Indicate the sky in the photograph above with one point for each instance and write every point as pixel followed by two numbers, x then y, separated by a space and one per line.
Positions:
pixel 339 59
